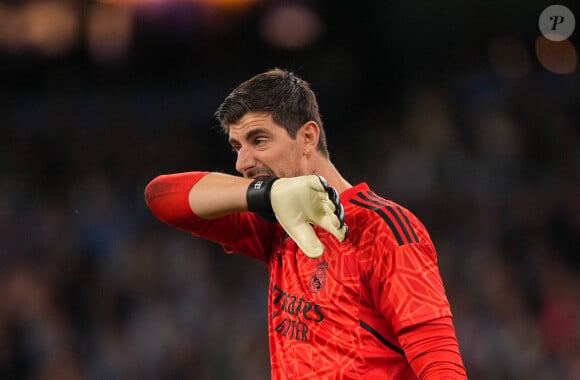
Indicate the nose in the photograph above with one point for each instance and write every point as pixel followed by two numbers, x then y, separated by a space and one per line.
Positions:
pixel 245 161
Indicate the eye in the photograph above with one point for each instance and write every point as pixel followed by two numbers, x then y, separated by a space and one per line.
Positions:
pixel 236 148
pixel 260 141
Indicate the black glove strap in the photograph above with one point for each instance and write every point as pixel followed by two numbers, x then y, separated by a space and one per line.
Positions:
pixel 258 198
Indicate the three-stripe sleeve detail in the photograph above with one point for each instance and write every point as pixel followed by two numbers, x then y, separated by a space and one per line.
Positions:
pixel 392 214
pixel 406 219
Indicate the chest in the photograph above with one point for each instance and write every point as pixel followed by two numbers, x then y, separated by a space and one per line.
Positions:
pixel 316 290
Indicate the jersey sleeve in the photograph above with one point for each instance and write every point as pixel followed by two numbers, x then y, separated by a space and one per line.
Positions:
pixel 432 350
pixel 409 291
pixel 409 285
pixel 168 198
pixel 242 232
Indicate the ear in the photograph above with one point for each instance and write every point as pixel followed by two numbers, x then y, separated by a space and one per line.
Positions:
pixel 309 134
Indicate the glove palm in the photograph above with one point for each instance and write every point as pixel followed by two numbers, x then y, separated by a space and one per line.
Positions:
pixel 299 203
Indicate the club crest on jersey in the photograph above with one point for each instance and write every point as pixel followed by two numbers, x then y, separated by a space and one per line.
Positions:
pixel 318 279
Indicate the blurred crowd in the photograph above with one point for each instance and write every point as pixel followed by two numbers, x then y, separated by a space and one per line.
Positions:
pixel 93 287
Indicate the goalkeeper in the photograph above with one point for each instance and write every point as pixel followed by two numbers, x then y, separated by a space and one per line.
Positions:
pixel 355 290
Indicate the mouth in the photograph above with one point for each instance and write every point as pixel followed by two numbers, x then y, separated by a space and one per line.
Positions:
pixel 261 175
pixel 254 175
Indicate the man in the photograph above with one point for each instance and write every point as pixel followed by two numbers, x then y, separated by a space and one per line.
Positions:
pixel 355 290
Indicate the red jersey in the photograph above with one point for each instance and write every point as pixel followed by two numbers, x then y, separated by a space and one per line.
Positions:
pixel 355 312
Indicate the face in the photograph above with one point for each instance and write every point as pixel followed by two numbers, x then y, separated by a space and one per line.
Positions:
pixel 264 148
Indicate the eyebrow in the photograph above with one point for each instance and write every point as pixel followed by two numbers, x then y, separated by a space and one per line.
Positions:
pixel 250 135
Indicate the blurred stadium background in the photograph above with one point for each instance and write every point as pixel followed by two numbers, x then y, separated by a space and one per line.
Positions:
pixel 459 110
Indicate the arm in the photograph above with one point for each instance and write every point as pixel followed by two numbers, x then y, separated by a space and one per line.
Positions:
pixel 217 194
pixel 411 295
pixel 433 351
pixel 168 197
pixel 206 195
pixel 190 200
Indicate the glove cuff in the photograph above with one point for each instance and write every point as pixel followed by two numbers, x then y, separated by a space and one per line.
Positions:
pixel 258 198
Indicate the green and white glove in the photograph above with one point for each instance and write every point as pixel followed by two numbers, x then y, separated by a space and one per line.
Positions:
pixel 298 203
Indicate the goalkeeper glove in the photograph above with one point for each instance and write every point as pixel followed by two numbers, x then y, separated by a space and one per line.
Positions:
pixel 297 203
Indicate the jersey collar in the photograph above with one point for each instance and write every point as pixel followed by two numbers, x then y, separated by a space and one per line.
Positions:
pixel 351 192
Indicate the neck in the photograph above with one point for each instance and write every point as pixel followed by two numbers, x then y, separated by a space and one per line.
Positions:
pixel 324 167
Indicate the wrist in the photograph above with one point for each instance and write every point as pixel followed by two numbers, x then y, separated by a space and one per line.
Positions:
pixel 258 198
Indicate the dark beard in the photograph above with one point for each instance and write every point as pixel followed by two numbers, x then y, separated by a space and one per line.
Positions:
pixel 261 172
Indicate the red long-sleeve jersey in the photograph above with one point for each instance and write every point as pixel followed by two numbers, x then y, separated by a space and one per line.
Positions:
pixel 372 307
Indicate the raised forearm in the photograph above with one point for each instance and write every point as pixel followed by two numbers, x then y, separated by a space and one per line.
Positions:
pixel 178 197
pixel 189 200
pixel 218 194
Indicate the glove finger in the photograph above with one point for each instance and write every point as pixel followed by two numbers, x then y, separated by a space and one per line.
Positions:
pixel 329 213
pixel 332 224
pixel 339 212
pixel 333 195
pixel 340 234
pixel 335 199
pixel 323 181
pixel 336 226
pixel 318 183
pixel 304 236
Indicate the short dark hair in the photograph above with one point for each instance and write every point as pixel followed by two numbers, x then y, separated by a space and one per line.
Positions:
pixel 286 97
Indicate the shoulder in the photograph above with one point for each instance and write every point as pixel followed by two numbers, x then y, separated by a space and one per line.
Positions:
pixel 386 219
